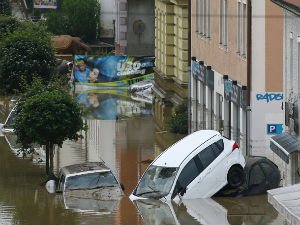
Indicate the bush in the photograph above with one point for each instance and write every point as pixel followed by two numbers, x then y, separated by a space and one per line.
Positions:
pixel 8 25
pixel 5 7
pixel 80 18
pixel 178 123
pixel 56 23
pixel 25 53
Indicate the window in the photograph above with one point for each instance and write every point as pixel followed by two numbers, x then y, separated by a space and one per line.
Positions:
pixel 201 17
pixel 61 183
pixel 244 34
pixel 217 148
pixel 90 180
pixel 225 23
pixel 205 18
pixel 221 23
pixel 206 156
pixel 208 18
pixel 239 28
pixel 220 144
pixel 298 40
pixel 187 175
pixel 197 15
pixel 156 181
pixel 236 123
pixel 291 61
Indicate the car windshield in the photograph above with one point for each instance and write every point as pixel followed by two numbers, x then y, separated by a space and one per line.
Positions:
pixel 156 182
pixel 90 181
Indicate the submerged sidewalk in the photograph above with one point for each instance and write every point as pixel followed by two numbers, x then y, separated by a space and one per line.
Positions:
pixel 286 200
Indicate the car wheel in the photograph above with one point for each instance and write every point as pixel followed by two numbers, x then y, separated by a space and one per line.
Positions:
pixel 235 176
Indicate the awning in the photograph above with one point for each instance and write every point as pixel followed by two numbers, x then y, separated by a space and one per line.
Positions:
pixel 286 200
pixel 283 145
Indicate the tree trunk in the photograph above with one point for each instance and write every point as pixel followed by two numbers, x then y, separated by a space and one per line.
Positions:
pixel 47 158
pixel 51 158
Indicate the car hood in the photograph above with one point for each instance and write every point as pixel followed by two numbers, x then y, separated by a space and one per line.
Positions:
pixel 112 192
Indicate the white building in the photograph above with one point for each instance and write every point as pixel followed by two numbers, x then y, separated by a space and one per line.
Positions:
pixel 287 145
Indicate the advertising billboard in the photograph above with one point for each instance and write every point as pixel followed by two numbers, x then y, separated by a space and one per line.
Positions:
pixel 112 71
pixel 45 4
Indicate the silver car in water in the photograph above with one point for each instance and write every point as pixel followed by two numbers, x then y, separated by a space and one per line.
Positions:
pixel 89 180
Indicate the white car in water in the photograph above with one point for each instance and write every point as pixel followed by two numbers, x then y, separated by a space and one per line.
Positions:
pixel 197 166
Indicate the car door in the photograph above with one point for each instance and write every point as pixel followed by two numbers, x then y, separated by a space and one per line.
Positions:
pixel 208 181
pixel 196 176
pixel 188 174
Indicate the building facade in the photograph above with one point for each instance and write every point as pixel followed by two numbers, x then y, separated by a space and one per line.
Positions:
pixel 287 145
pixel 134 27
pixel 171 52
pixel 266 77
pixel 218 82
pixel 236 76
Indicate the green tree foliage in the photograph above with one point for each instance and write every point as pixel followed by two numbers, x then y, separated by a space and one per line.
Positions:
pixel 80 18
pixel 8 25
pixel 56 23
pixel 5 7
pixel 47 115
pixel 25 53
pixel 178 122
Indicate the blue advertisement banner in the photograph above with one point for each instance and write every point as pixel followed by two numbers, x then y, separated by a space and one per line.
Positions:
pixel 112 71
pixel 45 4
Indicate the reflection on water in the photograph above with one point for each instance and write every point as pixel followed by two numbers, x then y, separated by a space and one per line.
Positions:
pixel 112 104
pixel 248 210
pixel 36 155
pixel 127 141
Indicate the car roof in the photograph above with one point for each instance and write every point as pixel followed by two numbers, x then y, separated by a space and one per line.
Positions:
pixel 84 167
pixel 174 155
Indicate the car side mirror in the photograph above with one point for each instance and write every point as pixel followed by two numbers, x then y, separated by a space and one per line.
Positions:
pixel 122 186
pixel 182 191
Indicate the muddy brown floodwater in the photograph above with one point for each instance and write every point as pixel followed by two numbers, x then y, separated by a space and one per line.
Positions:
pixel 121 132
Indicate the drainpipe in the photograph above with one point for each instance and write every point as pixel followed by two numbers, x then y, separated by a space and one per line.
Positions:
pixel 249 63
pixel 189 65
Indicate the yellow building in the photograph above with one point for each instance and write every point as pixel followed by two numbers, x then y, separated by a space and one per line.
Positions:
pixel 171 51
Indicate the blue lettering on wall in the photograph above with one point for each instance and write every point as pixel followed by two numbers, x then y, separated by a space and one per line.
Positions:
pixel 270 97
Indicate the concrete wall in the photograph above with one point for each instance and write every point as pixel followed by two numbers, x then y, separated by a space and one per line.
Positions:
pixel 267 70
pixel 140 44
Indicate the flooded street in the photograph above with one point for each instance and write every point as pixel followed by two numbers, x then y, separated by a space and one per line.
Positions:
pixel 122 133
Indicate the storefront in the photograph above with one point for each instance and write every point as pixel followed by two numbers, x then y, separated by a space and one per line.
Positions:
pixel 217 103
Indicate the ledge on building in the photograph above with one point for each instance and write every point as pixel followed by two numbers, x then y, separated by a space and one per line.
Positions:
pixel 288 6
pixel 286 201
pixel 283 145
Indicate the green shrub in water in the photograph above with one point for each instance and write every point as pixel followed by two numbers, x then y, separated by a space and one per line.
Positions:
pixel 178 123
